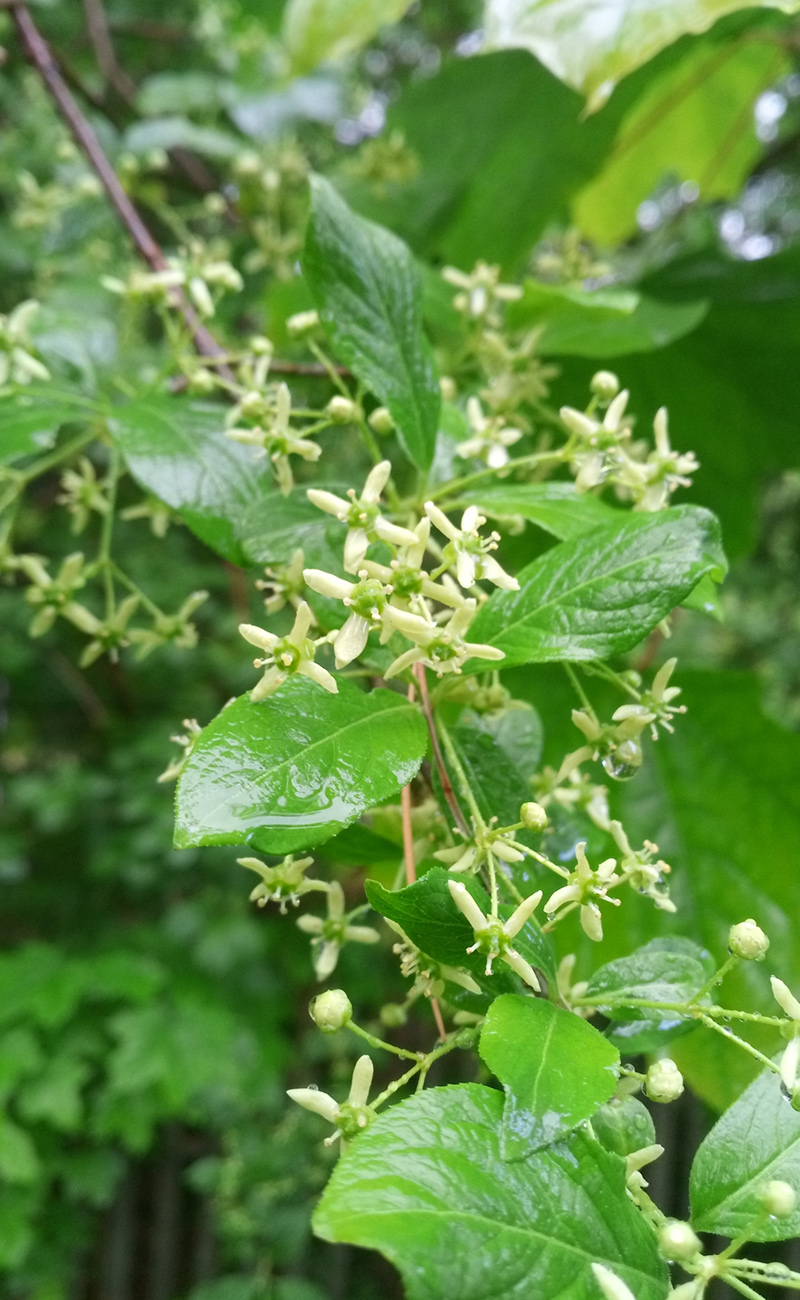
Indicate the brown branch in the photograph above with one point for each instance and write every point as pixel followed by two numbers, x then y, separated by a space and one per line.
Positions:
pixel 308 368
pixel 38 52
pixel 103 46
pixel 444 779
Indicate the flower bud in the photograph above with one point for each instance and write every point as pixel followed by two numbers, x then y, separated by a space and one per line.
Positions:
pixel 778 1198
pixel 448 388
pixel 302 322
pixel 748 941
pixel 604 385
pixel 677 1241
pixel 613 1287
pixel 664 1081
pixel 533 816
pixel 331 1010
pixel 381 420
pixel 341 409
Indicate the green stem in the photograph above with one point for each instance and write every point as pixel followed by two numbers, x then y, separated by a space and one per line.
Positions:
pixel 717 977
pixel 457 485
pixel 45 463
pixel 455 761
pixel 742 1287
pixel 741 1042
pixel 379 1043
pixel 579 691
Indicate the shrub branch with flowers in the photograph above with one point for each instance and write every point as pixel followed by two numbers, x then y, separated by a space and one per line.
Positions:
pixel 405 638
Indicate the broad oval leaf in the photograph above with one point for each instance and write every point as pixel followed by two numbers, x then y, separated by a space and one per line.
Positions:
pixel 425 911
pixel 315 31
pixel 603 322
pixel 754 1142
pixel 592 46
pixel 499 752
pixel 176 448
pixel 367 288
pixel 427 1186
pixel 664 970
pixel 624 1125
pixel 290 772
pixel 602 592
pixel 556 1068
pixel 30 420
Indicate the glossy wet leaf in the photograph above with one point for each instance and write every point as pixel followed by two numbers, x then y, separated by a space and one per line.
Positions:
pixel 683 126
pixel 624 1125
pixel 602 592
pixel 367 288
pixel 317 31
pixel 427 1186
pixel 425 911
pixel 602 323
pixel 499 752
pixel 556 507
pixel 556 1069
pixel 291 771
pixel 664 970
pixel 592 46
pixel 754 1142
pixel 177 449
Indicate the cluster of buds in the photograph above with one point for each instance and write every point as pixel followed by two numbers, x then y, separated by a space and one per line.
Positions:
pixel 350 1117
pixel 601 450
pixel 283 884
pixel 493 937
pixel 18 362
pixel 331 932
pixel 267 414
pixel 481 295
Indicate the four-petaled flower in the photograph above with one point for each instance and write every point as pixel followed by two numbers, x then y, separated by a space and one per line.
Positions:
pixel 277 439
pixel 284 883
pixel 493 937
pixel 468 550
pixel 285 655
pixel 491 437
pixel 332 931
pixel 366 600
pixel 441 648
pixel 364 521
pixel 350 1117
pixel 582 889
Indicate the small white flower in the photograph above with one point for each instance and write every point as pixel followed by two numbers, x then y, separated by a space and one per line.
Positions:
pixel 293 653
pixel 582 890
pixel 352 1116
pixel 468 551
pixel 366 600
pixel 490 439
pixel 285 883
pixel 442 649
pixel 332 932
pixel 613 1287
pixel 362 516
pixel 493 937
pixel 275 437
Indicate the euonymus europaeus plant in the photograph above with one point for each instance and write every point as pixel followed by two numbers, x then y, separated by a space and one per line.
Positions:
pixel 446 559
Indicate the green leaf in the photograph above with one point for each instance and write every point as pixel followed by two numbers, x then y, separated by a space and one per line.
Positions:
pixel 177 449
pixel 19 1162
pixel 499 149
pixel 54 1096
pixel 602 592
pixel 427 1186
pixel 664 970
pixel 591 47
pixel 685 126
pixel 499 753
pixel 757 1140
pixel 624 1125
pixel 556 1069
pixel 425 911
pixel 367 288
pixel 293 770
pixel 316 31
pixel 29 421
pixel 556 507
pixel 603 322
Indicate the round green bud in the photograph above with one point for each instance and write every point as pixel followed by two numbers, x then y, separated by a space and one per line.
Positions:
pixel 778 1198
pixel 533 816
pixel 381 420
pixel 748 941
pixel 678 1241
pixel 393 1015
pixel 341 409
pixel 605 385
pixel 331 1010
pixel 664 1081
pixel 448 388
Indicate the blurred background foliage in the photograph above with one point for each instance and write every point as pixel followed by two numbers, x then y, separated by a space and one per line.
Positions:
pixel 148 1014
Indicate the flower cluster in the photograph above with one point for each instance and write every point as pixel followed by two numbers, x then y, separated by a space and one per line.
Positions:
pixel 18 362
